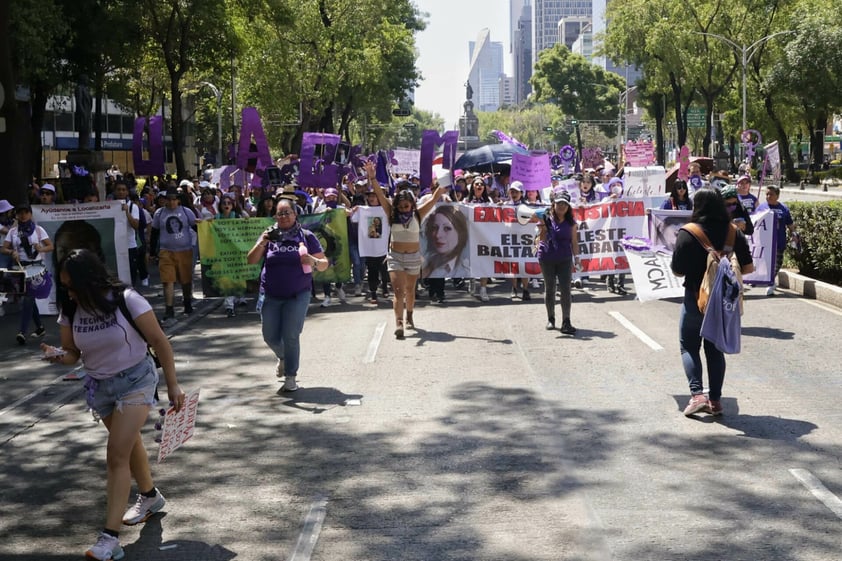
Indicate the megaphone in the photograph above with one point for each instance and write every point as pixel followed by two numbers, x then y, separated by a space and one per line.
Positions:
pixel 525 213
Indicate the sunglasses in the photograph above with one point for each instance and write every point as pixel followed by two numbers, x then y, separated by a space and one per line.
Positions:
pixel 285 213
pixel 682 187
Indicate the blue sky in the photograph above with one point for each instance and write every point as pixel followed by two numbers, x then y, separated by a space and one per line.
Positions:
pixel 443 50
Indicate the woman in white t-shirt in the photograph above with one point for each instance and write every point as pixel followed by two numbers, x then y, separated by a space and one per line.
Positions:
pixel 121 382
pixel 25 244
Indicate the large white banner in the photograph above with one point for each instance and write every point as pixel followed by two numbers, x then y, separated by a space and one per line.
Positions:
pixel 100 227
pixel 491 243
pixel 650 266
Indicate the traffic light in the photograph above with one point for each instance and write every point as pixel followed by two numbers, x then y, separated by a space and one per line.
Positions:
pixel 574 122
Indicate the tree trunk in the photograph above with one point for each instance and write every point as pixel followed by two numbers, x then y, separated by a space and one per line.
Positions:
pixel 40 94
pixel 13 128
pixel 788 170
pixel 660 117
pixel 177 127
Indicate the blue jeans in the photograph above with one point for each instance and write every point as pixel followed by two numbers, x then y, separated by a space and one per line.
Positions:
pixel 283 321
pixel 689 326
pixel 29 310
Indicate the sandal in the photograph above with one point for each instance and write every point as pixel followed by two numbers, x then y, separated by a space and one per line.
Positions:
pixel 409 323
pixel 399 330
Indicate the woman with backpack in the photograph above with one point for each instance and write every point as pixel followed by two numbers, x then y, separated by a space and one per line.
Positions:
pixel 689 259
pixel 110 327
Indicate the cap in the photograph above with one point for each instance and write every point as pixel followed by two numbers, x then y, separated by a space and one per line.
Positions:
pixel 729 192
pixel 5 206
pixel 744 178
pixel 721 174
pixel 331 192
pixel 361 182
pixel 516 186
pixel 22 206
pixel 172 193
pixel 561 196
pixel 185 183
pixel 48 187
pixel 205 184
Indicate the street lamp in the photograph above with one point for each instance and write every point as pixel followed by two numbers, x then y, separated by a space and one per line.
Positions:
pixel 622 101
pixel 218 95
pixel 745 52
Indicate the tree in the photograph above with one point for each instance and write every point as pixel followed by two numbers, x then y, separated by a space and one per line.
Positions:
pixel 39 35
pixel 809 74
pixel 191 36
pixel 580 89
pixel 333 61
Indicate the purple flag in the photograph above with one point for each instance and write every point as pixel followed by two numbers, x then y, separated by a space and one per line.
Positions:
pixel 430 139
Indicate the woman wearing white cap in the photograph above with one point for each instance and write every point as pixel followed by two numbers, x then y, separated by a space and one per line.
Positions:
pixel 558 251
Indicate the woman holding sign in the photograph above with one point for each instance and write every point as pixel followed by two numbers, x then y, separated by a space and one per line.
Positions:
pixel 108 326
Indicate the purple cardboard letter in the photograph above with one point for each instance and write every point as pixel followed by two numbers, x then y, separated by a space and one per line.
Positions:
pixel 430 139
pixel 328 173
pixel 251 126
pixel 155 164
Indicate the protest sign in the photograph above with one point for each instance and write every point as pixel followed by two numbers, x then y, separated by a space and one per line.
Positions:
pixel 178 427
pixel 533 170
pixel 644 181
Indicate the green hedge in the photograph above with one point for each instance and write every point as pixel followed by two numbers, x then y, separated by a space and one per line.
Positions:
pixel 818 176
pixel 820 226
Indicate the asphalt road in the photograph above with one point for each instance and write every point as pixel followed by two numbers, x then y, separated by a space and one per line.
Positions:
pixel 480 437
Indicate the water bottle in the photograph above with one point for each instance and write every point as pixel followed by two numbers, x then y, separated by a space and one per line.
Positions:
pixel 302 250
pixel 259 306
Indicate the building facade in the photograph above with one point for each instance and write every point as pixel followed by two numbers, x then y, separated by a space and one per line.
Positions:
pixel 486 69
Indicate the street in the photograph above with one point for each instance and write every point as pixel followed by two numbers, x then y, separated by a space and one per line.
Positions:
pixel 481 436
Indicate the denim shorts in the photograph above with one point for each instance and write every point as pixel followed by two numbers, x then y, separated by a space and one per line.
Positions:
pixel 408 262
pixel 137 383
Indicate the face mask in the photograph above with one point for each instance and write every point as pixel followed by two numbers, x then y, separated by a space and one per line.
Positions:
pixel 405 217
pixel 331 204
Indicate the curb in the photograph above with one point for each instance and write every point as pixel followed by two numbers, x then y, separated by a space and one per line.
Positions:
pixel 810 288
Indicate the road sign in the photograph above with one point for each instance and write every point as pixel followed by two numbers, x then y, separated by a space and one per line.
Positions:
pixel 401 112
pixel 409 125
pixel 696 117
pixel 548 129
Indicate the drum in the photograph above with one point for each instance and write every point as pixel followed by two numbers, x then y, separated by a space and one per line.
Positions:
pixel 39 282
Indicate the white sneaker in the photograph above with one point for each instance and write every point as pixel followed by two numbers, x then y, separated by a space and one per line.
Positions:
pixel 106 548
pixel 534 284
pixel 326 302
pixel 143 508
pixel 483 294
pixel 577 283
pixel 341 293
pixel 144 282
pixel 289 384
pixel 358 290
pixel 770 291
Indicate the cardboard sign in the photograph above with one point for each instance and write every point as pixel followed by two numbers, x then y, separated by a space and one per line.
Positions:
pixel 639 154
pixel 533 170
pixel 178 427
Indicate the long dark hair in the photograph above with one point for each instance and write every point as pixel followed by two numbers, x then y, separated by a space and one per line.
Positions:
pixel 92 284
pixel 709 211
pixel 404 195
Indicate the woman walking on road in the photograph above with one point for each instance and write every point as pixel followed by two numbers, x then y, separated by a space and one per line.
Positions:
pixel 404 258
pixel 558 251
pixel 689 260
pixel 122 381
pixel 290 253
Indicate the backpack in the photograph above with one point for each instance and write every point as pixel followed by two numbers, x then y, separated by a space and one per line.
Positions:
pixel 124 309
pixel 712 265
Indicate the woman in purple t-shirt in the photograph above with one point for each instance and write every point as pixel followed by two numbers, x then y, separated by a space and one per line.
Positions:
pixel 558 249
pixel 290 253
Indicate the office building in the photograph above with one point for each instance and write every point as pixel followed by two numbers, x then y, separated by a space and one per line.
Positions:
pixel 486 69
pixel 546 15
pixel 521 48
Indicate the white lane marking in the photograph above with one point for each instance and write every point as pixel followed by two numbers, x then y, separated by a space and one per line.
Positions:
pixel 636 331
pixel 812 484
pixel 371 352
pixel 310 530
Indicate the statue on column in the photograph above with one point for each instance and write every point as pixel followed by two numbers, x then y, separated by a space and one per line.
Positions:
pixel 469 91
pixel 82 115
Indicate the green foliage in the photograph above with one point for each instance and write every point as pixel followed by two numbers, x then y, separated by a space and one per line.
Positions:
pixel 580 89
pixel 526 124
pixel 819 224
pixel 39 32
